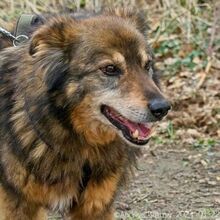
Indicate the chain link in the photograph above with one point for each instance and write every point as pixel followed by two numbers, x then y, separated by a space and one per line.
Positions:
pixel 7 33
pixel 15 40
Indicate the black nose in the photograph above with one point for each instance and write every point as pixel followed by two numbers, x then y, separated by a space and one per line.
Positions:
pixel 159 107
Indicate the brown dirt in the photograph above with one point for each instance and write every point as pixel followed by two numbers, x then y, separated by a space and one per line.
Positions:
pixel 174 182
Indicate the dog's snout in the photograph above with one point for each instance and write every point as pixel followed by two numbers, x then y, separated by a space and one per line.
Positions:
pixel 159 108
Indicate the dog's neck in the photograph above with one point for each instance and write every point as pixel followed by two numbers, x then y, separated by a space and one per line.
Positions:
pixel 67 146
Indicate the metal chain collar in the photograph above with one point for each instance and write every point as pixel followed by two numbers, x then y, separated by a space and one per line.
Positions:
pixel 15 40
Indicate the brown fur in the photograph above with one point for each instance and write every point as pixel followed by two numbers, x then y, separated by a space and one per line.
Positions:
pixel 4 42
pixel 56 152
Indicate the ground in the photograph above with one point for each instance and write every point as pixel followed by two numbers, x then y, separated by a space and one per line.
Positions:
pixel 174 182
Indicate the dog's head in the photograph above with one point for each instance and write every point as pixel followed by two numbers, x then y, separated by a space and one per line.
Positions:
pixel 104 69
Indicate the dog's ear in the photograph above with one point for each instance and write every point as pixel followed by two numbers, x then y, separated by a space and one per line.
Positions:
pixel 58 34
pixel 136 17
pixel 52 47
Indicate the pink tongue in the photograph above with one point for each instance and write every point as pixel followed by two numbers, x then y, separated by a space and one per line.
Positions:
pixel 144 131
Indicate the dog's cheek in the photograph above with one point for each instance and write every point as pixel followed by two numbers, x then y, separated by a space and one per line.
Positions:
pixel 104 83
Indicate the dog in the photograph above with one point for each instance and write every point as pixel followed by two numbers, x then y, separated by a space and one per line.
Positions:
pixel 77 105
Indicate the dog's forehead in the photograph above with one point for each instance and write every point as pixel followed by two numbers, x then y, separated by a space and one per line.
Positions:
pixel 116 35
pixel 113 32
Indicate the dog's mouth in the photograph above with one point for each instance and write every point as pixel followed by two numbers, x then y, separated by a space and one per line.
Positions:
pixel 136 133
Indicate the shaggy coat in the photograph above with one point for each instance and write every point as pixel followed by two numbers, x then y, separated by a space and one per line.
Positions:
pixel 57 152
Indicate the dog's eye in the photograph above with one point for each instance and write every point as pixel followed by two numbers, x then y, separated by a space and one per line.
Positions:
pixel 149 68
pixel 148 65
pixel 111 70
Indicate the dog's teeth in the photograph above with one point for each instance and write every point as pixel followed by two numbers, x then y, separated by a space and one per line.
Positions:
pixel 135 134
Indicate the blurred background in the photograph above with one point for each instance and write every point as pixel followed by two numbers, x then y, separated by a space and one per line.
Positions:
pixel 178 176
